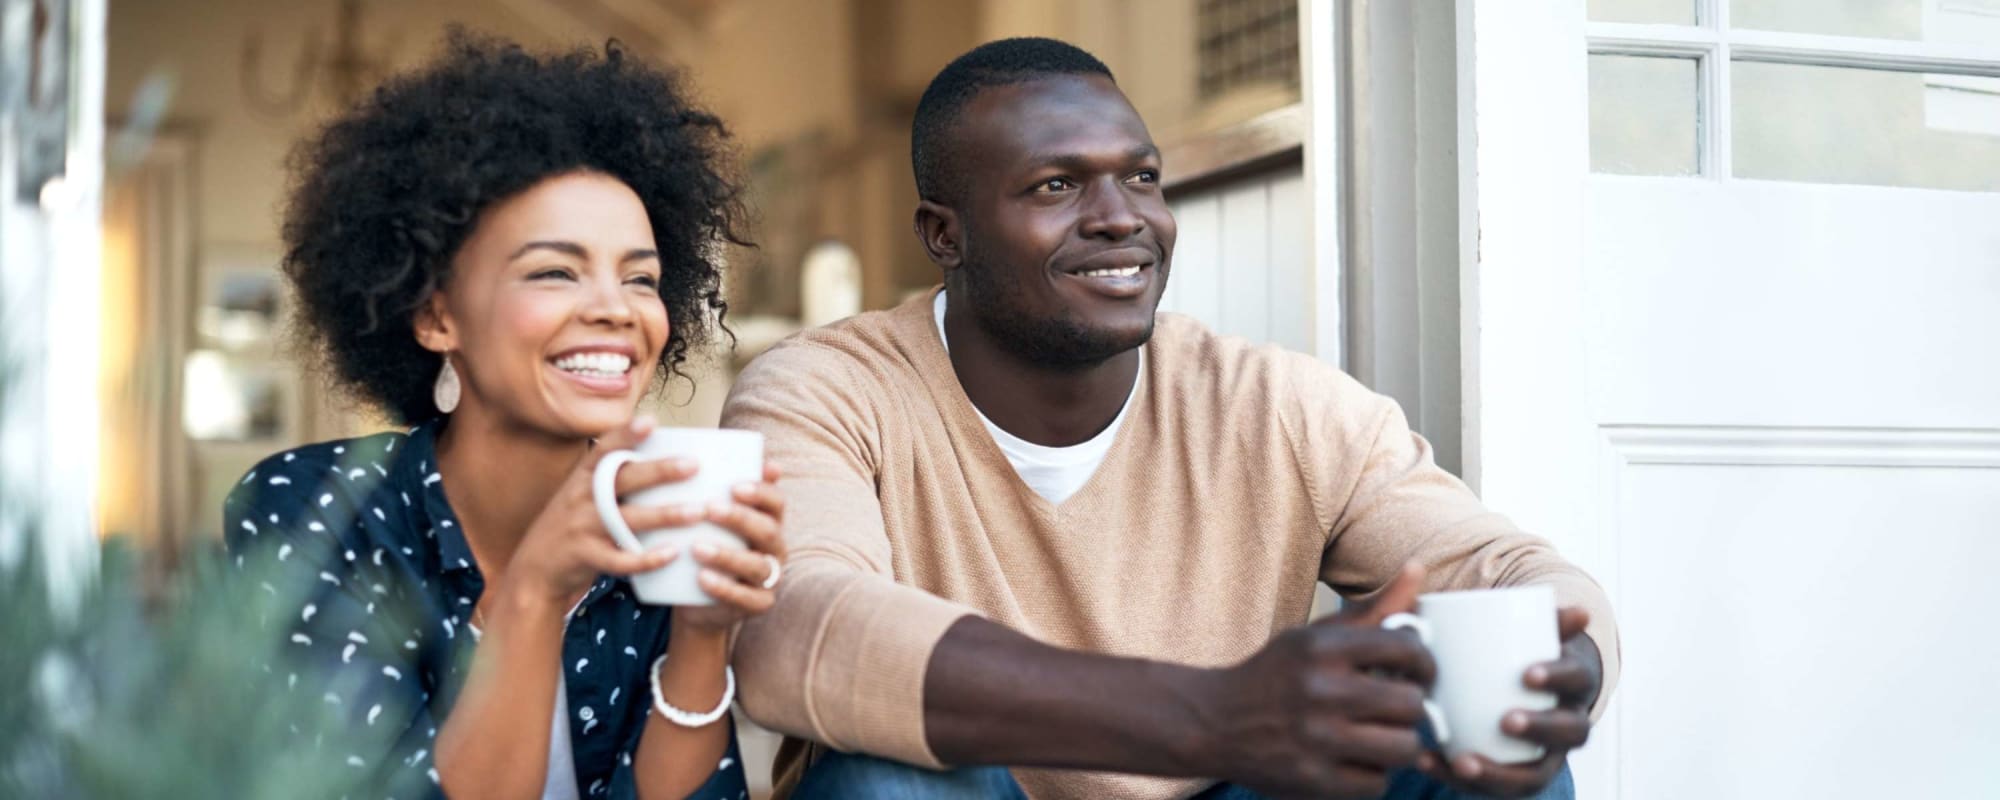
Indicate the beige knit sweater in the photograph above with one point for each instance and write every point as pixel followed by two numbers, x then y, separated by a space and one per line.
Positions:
pixel 1243 475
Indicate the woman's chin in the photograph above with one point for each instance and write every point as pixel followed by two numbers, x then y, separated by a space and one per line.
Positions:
pixel 595 418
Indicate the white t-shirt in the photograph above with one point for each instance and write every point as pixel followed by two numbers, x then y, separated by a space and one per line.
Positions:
pixel 1055 473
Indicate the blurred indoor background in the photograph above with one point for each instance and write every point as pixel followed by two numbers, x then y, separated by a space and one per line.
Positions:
pixel 204 97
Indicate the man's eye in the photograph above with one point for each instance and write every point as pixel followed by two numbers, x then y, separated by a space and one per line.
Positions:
pixel 1147 176
pixel 1055 185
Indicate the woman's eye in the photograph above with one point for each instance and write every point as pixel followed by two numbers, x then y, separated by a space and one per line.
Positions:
pixel 647 281
pixel 550 274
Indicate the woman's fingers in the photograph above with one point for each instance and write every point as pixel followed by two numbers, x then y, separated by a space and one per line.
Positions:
pixel 748 599
pixel 650 518
pixel 761 496
pixel 646 474
pixel 759 530
pixel 610 559
pixel 748 566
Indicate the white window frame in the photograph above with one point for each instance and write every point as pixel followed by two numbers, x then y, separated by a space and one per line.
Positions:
pixel 1715 47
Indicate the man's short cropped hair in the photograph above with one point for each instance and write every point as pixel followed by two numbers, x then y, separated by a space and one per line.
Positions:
pixel 998 63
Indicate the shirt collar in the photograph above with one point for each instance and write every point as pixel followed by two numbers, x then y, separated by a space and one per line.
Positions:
pixel 442 529
pixel 440 524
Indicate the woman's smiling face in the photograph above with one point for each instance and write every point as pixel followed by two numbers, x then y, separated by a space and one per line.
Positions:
pixel 552 312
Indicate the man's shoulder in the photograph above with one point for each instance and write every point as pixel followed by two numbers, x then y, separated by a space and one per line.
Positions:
pixel 864 343
pixel 1189 349
pixel 859 361
pixel 1209 376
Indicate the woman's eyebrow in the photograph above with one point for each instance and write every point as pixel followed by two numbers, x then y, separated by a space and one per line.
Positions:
pixel 566 248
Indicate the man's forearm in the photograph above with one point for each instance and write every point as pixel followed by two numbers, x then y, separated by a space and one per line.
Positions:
pixel 994 696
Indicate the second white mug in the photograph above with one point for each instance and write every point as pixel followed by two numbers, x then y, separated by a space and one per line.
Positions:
pixel 1484 641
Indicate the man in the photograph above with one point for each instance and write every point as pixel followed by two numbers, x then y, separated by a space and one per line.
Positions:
pixel 1033 525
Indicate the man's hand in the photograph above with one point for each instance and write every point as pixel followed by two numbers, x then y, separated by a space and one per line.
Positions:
pixel 1327 710
pixel 1575 678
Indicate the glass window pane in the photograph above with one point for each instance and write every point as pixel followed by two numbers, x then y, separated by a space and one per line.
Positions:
pixel 1643 115
pixel 1669 12
pixel 1961 21
pixel 1841 125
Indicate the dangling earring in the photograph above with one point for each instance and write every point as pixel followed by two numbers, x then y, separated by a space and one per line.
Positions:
pixel 445 393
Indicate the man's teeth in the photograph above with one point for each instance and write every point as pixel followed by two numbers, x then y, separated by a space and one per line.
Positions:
pixel 596 365
pixel 1119 272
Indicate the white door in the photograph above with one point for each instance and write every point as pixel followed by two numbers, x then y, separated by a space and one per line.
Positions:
pixel 1733 315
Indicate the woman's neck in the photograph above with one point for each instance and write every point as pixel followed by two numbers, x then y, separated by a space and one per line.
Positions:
pixel 498 477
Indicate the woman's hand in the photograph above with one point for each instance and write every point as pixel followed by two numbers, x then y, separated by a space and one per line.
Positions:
pixel 567 548
pixel 737 578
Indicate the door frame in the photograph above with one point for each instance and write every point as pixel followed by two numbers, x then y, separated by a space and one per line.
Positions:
pixel 1522 164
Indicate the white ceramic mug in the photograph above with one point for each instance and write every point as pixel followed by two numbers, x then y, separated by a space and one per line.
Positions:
pixel 724 459
pixel 1484 641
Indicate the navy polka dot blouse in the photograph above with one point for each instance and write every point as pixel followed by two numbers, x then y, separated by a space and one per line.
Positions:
pixel 390 586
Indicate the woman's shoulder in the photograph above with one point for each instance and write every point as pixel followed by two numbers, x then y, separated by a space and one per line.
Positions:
pixel 331 478
pixel 308 464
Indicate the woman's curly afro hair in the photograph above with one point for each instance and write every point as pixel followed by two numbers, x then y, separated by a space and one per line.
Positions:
pixel 385 194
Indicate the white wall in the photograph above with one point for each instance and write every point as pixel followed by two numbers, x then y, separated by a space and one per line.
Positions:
pixel 1241 263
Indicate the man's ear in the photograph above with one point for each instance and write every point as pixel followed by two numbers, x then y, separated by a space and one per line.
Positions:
pixel 433 324
pixel 938 229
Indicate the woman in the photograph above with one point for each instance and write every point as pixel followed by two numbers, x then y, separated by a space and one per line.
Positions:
pixel 505 251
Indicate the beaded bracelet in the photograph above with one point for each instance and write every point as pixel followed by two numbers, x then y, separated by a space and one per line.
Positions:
pixel 689 719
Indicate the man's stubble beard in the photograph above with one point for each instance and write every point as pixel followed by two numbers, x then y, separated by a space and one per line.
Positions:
pixel 1062 342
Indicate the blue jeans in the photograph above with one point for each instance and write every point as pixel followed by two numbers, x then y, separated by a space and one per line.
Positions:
pixel 1410 784
pixel 838 775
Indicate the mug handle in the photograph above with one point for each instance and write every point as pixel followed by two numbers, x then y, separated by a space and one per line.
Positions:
pixel 1407 621
pixel 604 490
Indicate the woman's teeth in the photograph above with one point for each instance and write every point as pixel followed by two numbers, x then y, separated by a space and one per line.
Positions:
pixel 1118 272
pixel 595 365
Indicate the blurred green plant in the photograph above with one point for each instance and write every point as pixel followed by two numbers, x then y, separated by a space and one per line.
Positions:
pixel 174 700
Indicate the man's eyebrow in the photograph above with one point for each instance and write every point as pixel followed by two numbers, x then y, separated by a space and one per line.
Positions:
pixel 1079 161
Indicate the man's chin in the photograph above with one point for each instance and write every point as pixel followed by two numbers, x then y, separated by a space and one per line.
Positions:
pixel 1097 345
pixel 1128 333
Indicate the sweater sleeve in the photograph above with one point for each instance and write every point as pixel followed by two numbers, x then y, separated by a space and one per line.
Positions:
pixel 840 659
pixel 1385 501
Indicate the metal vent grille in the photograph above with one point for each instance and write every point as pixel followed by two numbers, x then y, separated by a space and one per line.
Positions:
pixel 1248 43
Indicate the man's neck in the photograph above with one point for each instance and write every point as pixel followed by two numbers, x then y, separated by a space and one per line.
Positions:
pixel 1048 406
pixel 498 478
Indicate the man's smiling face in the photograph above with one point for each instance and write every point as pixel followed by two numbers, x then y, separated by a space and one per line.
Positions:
pixel 1067 238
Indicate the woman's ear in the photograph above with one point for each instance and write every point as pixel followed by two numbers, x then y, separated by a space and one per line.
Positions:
pixel 433 324
pixel 938 230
